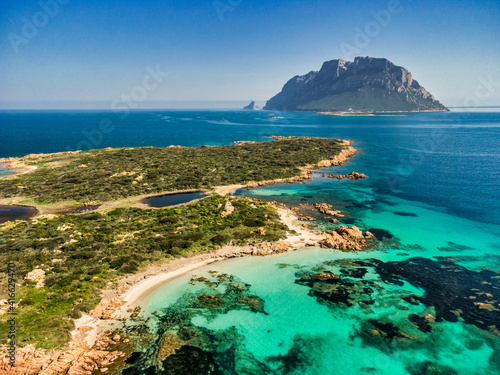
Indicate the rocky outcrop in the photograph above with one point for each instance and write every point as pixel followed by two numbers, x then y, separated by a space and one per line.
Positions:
pixel 271 248
pixel 76 359
pixel 252 106
pixel 350 176
pixel 326 209
pixel 365 85
pixel 228 209
pixel 307 171
pixel 36 276
pixel 106 308
pixel 346 238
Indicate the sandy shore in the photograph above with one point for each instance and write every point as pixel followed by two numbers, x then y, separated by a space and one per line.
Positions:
pixel 157 276
pixel 119 302
pixel 131 290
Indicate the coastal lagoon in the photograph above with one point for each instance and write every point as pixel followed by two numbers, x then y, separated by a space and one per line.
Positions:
pixel 13 212
pixel 407 307
pixel 169 200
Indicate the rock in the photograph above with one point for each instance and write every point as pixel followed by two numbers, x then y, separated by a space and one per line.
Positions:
pixel 228 209
pixel 105 309
pixel 252 106
pixel 365 85
pixel 306 218
pixel 485 306
pixel 169 344
pixel 323 276
pixel 351 176
pixel 325 209
pixel 74 359
pixel 345 238
pixel 38 276
pixel 271 248
pixel 369 235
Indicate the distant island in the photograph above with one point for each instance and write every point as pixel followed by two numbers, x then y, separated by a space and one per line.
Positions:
pixel 252 106
pixel 366 85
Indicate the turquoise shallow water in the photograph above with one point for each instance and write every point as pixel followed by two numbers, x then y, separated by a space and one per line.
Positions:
pixel 324 340
pixel 432 192
pixel 318 338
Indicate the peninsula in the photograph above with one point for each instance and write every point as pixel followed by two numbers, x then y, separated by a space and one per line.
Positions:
pixel 65 260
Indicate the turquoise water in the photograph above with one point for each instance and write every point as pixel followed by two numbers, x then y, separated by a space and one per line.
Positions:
pixel 322 339
pixel 5 172
pixel 432 191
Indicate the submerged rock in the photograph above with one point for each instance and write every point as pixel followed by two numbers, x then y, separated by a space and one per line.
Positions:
pixel 429 368
pixel 450 288
pixel 190 360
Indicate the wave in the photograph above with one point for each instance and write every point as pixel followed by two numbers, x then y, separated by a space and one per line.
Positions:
pixel 225 122
pixel 459 154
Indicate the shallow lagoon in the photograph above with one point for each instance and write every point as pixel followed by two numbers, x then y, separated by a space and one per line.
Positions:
pixel 12 213
pixel 169 200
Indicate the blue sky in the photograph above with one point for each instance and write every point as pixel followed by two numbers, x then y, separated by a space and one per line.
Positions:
pixel 90 53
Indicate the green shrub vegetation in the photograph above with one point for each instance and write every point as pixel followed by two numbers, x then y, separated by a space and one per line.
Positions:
pixel 82 253
pixel 103 175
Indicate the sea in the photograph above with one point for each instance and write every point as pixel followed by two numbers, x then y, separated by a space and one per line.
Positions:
pixel 425 300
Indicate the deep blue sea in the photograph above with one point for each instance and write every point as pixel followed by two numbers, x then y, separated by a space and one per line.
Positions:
pixel 432 191
pixel 448 160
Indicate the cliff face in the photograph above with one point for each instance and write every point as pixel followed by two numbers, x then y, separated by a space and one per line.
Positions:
pixel 368 84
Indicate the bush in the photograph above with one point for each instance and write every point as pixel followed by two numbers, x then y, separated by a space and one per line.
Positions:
pixel 129 267
pixel 169 220
pixel 220 239
pixel 22 244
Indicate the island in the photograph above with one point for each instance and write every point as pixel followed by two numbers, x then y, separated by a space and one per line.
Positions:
pixel 252 106
pixel 365 85
pixel 95 246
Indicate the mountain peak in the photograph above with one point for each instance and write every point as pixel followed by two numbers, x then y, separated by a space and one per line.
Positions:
pixel 367 84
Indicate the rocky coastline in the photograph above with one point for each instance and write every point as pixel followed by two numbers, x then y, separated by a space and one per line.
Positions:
pixel 95 346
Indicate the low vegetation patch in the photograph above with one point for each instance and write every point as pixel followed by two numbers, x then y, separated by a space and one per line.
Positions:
pixel 80 254
pixel 103 175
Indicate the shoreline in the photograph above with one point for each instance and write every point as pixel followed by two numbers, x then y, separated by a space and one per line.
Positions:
pixel 89 337
pixel 134 288
pixel 135 201
pixel 93 333
pixel 154 277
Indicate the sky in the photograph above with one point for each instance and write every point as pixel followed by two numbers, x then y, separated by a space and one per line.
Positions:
pixel 204 53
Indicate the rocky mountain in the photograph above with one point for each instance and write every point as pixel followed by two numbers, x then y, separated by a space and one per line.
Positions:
pixel 252 106
pixel 365 85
